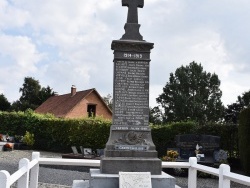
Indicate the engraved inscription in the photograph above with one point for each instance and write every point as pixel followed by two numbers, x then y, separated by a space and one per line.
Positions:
pixel 135 179
pixel 132 55
pixel 134 128
pixel 131 93
pixel 129 147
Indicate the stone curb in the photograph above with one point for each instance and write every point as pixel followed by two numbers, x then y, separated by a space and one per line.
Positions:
pixel 46 185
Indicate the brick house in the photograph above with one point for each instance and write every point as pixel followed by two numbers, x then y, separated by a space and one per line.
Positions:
pixel 76 105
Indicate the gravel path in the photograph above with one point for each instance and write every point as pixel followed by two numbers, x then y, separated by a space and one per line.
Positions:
pixel 49 177
pixel 61 178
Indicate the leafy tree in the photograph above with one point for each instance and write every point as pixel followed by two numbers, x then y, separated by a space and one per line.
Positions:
pixel 155 115
pixel 244 100
pixel 21 106
pixel 4 103
pixel 44 94
pixel 233 110
pixel 191 94
pixel 108 100
pixel 32 96
pixel 30 91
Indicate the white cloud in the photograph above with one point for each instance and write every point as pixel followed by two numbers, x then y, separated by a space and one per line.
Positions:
pixel 11 16
pixel 155 91
pixel 20 51
pixel 18 58
pixel 231 90
pixel 65 42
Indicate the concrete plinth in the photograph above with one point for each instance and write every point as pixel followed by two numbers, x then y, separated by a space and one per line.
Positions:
pixel 98 180
pixel 113 165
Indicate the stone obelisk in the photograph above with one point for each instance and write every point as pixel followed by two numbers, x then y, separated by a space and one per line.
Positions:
pixel 130 147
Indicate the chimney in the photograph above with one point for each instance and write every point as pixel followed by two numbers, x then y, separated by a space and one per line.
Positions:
pixel 73 90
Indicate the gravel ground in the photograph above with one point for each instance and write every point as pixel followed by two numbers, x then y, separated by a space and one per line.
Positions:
pixel 48 177
pixel 62 178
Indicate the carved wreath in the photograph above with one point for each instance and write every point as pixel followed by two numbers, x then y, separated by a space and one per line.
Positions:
pixel 132 138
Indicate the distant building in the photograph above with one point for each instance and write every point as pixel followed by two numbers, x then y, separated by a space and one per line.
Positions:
pixel 76 105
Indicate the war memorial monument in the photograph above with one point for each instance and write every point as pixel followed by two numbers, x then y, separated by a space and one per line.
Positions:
pixel 130 150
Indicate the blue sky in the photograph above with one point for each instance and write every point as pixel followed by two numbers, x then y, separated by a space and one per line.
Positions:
pixel 68 42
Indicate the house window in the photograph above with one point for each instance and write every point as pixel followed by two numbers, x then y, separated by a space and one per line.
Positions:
pixel 91 110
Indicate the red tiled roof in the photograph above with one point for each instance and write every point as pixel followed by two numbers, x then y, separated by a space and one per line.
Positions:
pixel 62 104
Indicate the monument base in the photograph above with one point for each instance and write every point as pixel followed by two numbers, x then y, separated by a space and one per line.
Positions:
pixel 114 165
pixel 99 180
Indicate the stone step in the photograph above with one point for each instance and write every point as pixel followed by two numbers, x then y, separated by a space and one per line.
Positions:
pixel 80 184
pixel 45 185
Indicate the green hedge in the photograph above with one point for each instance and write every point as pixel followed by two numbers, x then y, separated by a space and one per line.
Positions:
pixel 56 134
pixel 244 139
pixel 228 134
pixel 164 135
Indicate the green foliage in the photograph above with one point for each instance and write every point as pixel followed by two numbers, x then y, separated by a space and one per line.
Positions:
pixel 57 134
pixel 191 94
pixel 244 100
pixel 29 139
pixel 244 139
pixel 32 96
pixel 4 103
pixel 155 116
pixel 233 110
pixel 164 135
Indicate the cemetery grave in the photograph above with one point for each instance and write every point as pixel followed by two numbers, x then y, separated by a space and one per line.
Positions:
pixel 205 147
pixel 6 143
pixel 86 153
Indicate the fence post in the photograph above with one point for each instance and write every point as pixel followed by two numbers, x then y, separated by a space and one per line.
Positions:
pixel 192 173
pixel 23 181
pixel 223 182
pixel 34 171
pixel 4 179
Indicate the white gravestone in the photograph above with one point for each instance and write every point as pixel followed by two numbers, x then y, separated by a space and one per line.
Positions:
pixel 135 180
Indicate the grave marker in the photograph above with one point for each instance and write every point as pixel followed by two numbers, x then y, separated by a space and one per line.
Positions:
pixel 74 150
pixel 132 9
pixel 130 147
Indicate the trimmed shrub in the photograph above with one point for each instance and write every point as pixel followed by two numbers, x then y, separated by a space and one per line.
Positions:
pixel 164 135
pixel 228 134
pixel 244 139
pixel 57 134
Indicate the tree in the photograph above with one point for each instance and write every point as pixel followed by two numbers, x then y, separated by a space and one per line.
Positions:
pixel 191 94
pixel 30 91
pixel 32 96
pixel 244 100
pixel 44 94
pixel 108 100
pixel 21 106
pixel 232 113
pixel 4 103
pixel 233 110
pixel 155 116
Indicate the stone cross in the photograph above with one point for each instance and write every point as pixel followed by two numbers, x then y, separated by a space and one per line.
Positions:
pixel 132 9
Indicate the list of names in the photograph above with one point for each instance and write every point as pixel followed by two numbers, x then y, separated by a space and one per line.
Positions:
pixel 131 93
